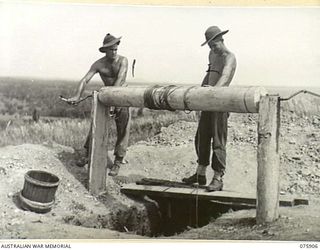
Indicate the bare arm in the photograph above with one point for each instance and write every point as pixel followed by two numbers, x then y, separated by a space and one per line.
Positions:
pixel 122 74
pixel 83 82
pixel 205 80
pixel 228 71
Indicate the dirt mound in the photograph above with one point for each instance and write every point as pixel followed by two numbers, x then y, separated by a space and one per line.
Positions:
pixel 73 201
pixel 169 155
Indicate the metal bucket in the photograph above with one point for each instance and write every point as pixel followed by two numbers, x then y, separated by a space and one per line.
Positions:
pixel 38 193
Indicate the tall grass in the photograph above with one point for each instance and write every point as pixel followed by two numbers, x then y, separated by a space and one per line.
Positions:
pixel 73 132
pixel 69 132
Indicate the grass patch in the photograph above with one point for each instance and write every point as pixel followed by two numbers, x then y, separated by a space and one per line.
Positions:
pixel 73 132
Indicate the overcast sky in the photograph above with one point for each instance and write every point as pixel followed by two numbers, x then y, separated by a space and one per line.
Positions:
pixel 273 46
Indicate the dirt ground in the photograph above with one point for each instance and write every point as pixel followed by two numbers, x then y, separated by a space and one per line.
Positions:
pixel 169 155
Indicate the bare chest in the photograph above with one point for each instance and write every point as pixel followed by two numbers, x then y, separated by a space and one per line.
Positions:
pixel 216 62
pixel 109 70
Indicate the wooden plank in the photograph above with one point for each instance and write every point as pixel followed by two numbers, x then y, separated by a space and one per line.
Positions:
pixel 133 186
pixel 218 196
pixel 182 191
pixel 166 183
pixel 191 193
pixel 268 160
pixel 300 201
pixel 234 204
pixel 99 147
pixel 226 196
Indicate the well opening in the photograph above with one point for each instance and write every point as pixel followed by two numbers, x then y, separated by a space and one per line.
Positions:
pixel 154 216
pixel 168 216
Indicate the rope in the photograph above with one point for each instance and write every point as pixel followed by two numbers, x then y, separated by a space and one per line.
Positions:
pixel 167 92
pixel 197 203
pixel 197 184
pixel 156 97
pixel 148 97
pixel 185 103
pixel 299 92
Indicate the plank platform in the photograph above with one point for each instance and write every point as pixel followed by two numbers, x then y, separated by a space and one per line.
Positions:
pixel 189 192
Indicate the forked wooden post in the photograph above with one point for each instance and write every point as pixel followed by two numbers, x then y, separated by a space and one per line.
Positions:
pixel 99 147
pixel 268 160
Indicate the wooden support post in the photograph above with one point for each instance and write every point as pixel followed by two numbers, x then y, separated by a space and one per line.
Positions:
pixel 268 160
pixel 99 147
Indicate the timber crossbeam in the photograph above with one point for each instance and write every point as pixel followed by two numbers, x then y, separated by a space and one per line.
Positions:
pixel 220 99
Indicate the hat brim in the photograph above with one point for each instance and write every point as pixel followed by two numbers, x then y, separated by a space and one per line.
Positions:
pixel 109 44
pixel 216 36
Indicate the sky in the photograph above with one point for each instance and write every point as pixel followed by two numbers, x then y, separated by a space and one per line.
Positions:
pixel 273 46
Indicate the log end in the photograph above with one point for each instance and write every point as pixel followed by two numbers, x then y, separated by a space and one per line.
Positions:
pixel 253 97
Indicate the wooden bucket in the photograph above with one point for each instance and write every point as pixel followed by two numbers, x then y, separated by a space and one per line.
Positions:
pixel 38 193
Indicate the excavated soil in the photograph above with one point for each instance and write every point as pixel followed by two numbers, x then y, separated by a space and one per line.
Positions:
pixel 168 155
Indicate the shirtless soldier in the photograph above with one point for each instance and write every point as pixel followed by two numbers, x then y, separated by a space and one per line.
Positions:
pixel 212 128
pixel 112 69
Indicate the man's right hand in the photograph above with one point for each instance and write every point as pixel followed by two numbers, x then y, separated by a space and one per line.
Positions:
pixel 72 100
pixel 114 110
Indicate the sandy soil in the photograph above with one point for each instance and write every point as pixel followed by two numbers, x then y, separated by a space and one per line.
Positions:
pixel 169 155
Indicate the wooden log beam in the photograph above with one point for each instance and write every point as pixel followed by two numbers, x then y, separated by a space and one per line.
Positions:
pixel 221 99
pixel 99 147
pixel 268 160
